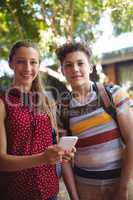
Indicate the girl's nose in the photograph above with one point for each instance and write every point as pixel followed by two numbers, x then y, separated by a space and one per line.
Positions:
pixel 27 66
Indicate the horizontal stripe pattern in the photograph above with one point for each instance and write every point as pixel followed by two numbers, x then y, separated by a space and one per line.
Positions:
pixel 107 166
pixel 96 182
pixel 98 129
pixel 122 102
pixel 77 128
pixel 108 174
pixel 121 97
pixel 83 109
pixel 93 160
pixel 99 148
pixel 98 139
pixel 87 115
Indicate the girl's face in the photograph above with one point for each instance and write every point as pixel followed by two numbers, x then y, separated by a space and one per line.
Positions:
pixel 76 68
pixel 25 63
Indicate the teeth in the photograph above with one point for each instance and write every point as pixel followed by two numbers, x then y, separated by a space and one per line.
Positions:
pixel 26 75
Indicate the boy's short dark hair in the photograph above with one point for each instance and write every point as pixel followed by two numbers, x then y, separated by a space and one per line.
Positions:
pixel 62 51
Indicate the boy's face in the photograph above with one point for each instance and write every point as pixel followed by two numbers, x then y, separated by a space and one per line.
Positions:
pixel 76 68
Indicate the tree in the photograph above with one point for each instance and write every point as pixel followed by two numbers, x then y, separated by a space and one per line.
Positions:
pixel 57 18
pixel 18 22
pixel 47 22
pixel 121 15
pixel 5 81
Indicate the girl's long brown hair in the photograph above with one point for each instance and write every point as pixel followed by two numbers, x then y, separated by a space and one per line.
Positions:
pixel 46 105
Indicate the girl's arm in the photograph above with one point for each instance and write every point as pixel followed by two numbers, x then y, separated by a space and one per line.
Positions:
pixel 13 163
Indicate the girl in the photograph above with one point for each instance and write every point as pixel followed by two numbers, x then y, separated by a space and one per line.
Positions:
pixel 27 153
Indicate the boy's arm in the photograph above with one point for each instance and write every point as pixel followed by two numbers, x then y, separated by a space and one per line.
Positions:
pixel 125 121
pixel 69 180
pixel 67 172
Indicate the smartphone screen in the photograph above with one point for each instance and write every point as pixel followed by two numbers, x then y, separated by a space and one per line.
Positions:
pixel 68 142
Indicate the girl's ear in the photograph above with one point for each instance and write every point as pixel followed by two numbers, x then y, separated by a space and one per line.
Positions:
pixel 11 65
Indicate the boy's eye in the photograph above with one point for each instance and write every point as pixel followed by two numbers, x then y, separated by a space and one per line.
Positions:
pixel 68 65
pixel 34 62
pixel 80 63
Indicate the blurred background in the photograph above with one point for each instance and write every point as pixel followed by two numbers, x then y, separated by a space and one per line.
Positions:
pixel 105 25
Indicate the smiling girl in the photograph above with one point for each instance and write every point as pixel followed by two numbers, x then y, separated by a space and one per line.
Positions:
pixel 27 153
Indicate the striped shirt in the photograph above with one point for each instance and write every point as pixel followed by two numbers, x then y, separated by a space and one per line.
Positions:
pixel 99 149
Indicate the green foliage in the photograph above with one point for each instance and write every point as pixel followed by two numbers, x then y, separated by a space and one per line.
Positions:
pixel 122 14
pixel 47 22
pixel 17 18
pixel 5 81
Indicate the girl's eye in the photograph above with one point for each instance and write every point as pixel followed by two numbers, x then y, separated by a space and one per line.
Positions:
pixel 20 61
pixel 34 62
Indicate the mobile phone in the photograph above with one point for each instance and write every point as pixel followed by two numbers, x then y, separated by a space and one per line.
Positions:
pixel 68 142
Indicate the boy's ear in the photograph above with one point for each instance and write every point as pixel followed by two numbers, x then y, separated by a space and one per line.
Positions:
pixel 91 68
pixel 62 70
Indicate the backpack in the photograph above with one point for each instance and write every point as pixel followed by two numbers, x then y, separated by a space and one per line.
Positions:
pixel 105 98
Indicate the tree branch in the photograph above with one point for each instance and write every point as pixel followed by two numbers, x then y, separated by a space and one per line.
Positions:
pixel 21 32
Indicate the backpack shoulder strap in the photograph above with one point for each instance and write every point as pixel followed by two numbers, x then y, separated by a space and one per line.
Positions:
pixel 106 99
pixel 103 95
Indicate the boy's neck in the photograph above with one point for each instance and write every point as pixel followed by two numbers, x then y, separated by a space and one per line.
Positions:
pixel 81 93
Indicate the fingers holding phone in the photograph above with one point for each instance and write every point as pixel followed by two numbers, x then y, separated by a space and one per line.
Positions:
pixel 67 143
pixel 53 154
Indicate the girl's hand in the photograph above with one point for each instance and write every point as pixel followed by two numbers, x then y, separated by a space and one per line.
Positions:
pixel 53 154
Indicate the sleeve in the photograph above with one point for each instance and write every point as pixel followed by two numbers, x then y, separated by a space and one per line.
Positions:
pixel 121 98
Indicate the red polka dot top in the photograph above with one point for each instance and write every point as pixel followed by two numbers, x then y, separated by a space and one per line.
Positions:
pixel 28 132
